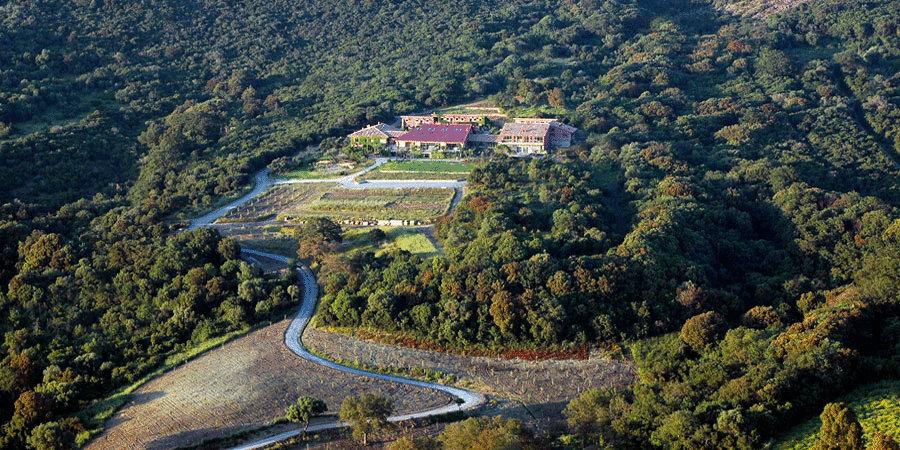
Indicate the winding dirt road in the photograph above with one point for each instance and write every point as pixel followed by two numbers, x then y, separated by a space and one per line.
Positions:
pixel 292 339
pixel 468 399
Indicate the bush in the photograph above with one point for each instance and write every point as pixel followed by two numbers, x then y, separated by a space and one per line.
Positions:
pixel 304 409
pixel 414 443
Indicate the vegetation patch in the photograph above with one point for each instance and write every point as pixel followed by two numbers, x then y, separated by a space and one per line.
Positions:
pixel 95 416
pixel 413 240
pixel 877 406
pixel 372 205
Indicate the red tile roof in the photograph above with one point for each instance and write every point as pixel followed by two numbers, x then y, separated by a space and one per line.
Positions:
pixel 451 134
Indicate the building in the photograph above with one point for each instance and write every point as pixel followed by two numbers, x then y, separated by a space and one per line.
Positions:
pixel 435 137
pixel 412 122
pixel 376 135
pixel 560 133
pixel 523 136
pixel 525 139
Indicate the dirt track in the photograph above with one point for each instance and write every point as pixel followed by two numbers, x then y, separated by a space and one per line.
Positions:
pixel 245 384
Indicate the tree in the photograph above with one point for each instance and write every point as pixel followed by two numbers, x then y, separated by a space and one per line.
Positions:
pixel 881 441
pixel 366 414
pixel 702 330
pixel 486 433
pixel 51 436
pixel 556 98
pixel 761 317
pixel 414 443
pixel 304 409
pixel 773 63
pixel 840 429
pixel 317 237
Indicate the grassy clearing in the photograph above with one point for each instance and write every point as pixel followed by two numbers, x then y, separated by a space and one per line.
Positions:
pixel 877 406
pixel 537 111
pixel 412 240
pixel 96 415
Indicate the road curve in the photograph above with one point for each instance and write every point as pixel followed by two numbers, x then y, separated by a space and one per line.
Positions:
pixel 292 337
pixel 261 183
pixel 469 399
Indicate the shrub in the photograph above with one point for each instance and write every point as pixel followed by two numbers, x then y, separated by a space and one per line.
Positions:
pixel 304 409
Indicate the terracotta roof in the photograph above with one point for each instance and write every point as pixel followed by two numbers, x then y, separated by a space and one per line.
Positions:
pixel 377 130
pixel 525 129
pixel 451 134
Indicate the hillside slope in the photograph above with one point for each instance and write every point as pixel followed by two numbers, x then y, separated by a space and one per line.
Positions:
pixel 731 208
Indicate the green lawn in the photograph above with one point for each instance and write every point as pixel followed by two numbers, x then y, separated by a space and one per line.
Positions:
pixel 877 406
pixel 428 166
pixel 421 170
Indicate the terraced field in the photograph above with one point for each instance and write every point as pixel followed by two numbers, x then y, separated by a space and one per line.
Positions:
pixel 277 199
pixel 340 204
pixel 298 201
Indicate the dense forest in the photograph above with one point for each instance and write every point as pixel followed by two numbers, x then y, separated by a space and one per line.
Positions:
pixel 732 208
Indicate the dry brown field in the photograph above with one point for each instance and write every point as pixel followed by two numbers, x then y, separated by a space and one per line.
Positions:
pixel 241 386
pixel 534 391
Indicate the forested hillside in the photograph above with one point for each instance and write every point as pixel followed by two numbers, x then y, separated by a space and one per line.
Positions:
pixel 733 208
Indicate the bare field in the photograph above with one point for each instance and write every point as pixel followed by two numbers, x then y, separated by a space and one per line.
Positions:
pixel 533 388
pixel 243 385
